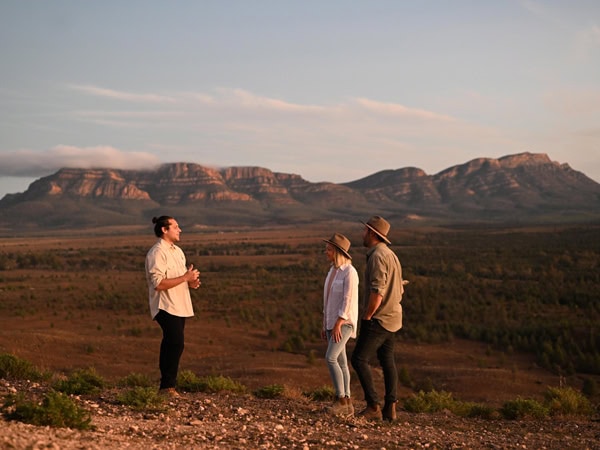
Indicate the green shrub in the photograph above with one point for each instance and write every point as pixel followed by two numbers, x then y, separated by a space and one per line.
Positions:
pixel 480 411
pixel 142 398
pixel 270 391
pixel 322 393
pixel 135 380
pixel 189 381
pixel 431 401
pixel 55 410
pixel 12 367
pixel 567 401
pixel 83 381
pixel 523 408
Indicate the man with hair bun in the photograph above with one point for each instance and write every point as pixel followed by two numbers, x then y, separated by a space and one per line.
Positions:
pixel 169 281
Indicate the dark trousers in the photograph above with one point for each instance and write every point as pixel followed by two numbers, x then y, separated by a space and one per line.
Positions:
pixel 171 347
pixel 373 340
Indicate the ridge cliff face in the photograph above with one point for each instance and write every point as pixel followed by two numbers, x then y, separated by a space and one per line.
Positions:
pixel 515 187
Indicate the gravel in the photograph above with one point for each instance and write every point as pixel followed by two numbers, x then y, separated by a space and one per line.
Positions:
pixel 242 421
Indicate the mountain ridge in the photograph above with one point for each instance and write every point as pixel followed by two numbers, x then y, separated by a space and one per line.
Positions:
pixel 524 187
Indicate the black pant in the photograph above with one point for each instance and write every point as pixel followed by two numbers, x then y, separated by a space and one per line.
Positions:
pixel 171 347
pixel 373 340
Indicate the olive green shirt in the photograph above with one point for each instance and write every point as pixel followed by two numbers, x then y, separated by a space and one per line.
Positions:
pixel 383 275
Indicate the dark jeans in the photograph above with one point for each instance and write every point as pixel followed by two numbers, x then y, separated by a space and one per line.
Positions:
pixel 171 347
pixel 373 340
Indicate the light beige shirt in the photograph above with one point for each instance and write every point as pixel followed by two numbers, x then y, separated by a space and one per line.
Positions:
pixel 383 275
pixel 165 261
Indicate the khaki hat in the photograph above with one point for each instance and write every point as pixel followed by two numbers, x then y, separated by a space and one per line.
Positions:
pixel 340 242
pixel 380 226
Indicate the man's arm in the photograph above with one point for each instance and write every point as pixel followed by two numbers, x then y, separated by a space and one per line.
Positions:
pixel 373 305
pixel 190 276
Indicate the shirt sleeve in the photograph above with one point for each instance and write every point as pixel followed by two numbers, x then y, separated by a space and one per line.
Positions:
pixel 350 292
pixel 378 269
pixel 157 267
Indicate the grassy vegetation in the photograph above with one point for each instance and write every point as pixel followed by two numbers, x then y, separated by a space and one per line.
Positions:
pixel 80 382
pixel 12 367
pixel 58 409
pixel 558 402
pixel 190 382
pixel 516 290
pixel 142 399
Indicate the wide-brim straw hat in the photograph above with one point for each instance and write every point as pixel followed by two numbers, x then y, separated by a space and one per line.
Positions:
pixel 380 226
pixel 341 242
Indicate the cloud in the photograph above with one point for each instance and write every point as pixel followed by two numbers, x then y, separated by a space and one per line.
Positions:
pixel 395 109
pixel 120 95
pixel 30 163
pixel 249 100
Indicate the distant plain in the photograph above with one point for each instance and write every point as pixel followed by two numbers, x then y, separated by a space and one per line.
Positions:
pixel 476 302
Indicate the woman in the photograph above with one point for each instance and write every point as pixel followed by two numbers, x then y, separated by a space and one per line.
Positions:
pixel 340 315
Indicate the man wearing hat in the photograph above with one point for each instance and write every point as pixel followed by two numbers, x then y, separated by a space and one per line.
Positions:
pixel 381 318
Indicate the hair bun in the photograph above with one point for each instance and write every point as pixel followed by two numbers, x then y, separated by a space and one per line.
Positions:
pixel 154 219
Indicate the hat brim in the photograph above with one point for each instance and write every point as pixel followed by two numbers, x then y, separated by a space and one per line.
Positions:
pixel 385 239
pixel 344 252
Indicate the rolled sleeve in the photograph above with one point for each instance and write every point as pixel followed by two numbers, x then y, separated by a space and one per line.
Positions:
pixel 379 275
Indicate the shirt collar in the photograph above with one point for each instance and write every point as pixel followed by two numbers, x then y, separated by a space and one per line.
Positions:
pixel 166 244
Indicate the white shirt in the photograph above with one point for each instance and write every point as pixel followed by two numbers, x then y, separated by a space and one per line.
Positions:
pixel 165 261
pixel 342 298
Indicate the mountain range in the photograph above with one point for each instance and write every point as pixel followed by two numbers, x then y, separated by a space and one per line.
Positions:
pixel 520 188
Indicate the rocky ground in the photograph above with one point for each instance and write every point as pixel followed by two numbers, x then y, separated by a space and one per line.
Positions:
pixel 232 421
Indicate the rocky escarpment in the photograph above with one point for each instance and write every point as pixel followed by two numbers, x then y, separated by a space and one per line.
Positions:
pixel 521 187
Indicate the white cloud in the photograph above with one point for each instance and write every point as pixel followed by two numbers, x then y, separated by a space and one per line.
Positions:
pixel 30 163
pixel 395 109
pixel 120 95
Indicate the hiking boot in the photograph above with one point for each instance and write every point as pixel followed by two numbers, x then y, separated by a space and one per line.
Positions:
pixel 169 393
pixel 339 407
pixel 371 412
pixel 349 406
pixel 389 412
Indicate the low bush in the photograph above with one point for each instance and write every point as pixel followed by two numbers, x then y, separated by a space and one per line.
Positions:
pixel 135 380
pixel 523 408
pixel 142 398
pixel 13 367
pixel 431 401
pixel 567 401
pixel 189 381
pixel 322 393
pixel 434 401
pixel 270 391
pixel 55 410
pixel 81 382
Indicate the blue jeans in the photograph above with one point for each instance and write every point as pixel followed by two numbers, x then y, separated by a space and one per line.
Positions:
pixel 338 362
pixel 373 340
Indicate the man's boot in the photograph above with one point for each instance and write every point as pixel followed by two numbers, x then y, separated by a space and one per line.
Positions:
pixel 389 411
pixel 371 412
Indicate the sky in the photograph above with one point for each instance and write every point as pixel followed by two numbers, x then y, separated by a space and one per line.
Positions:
pixel 330 90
